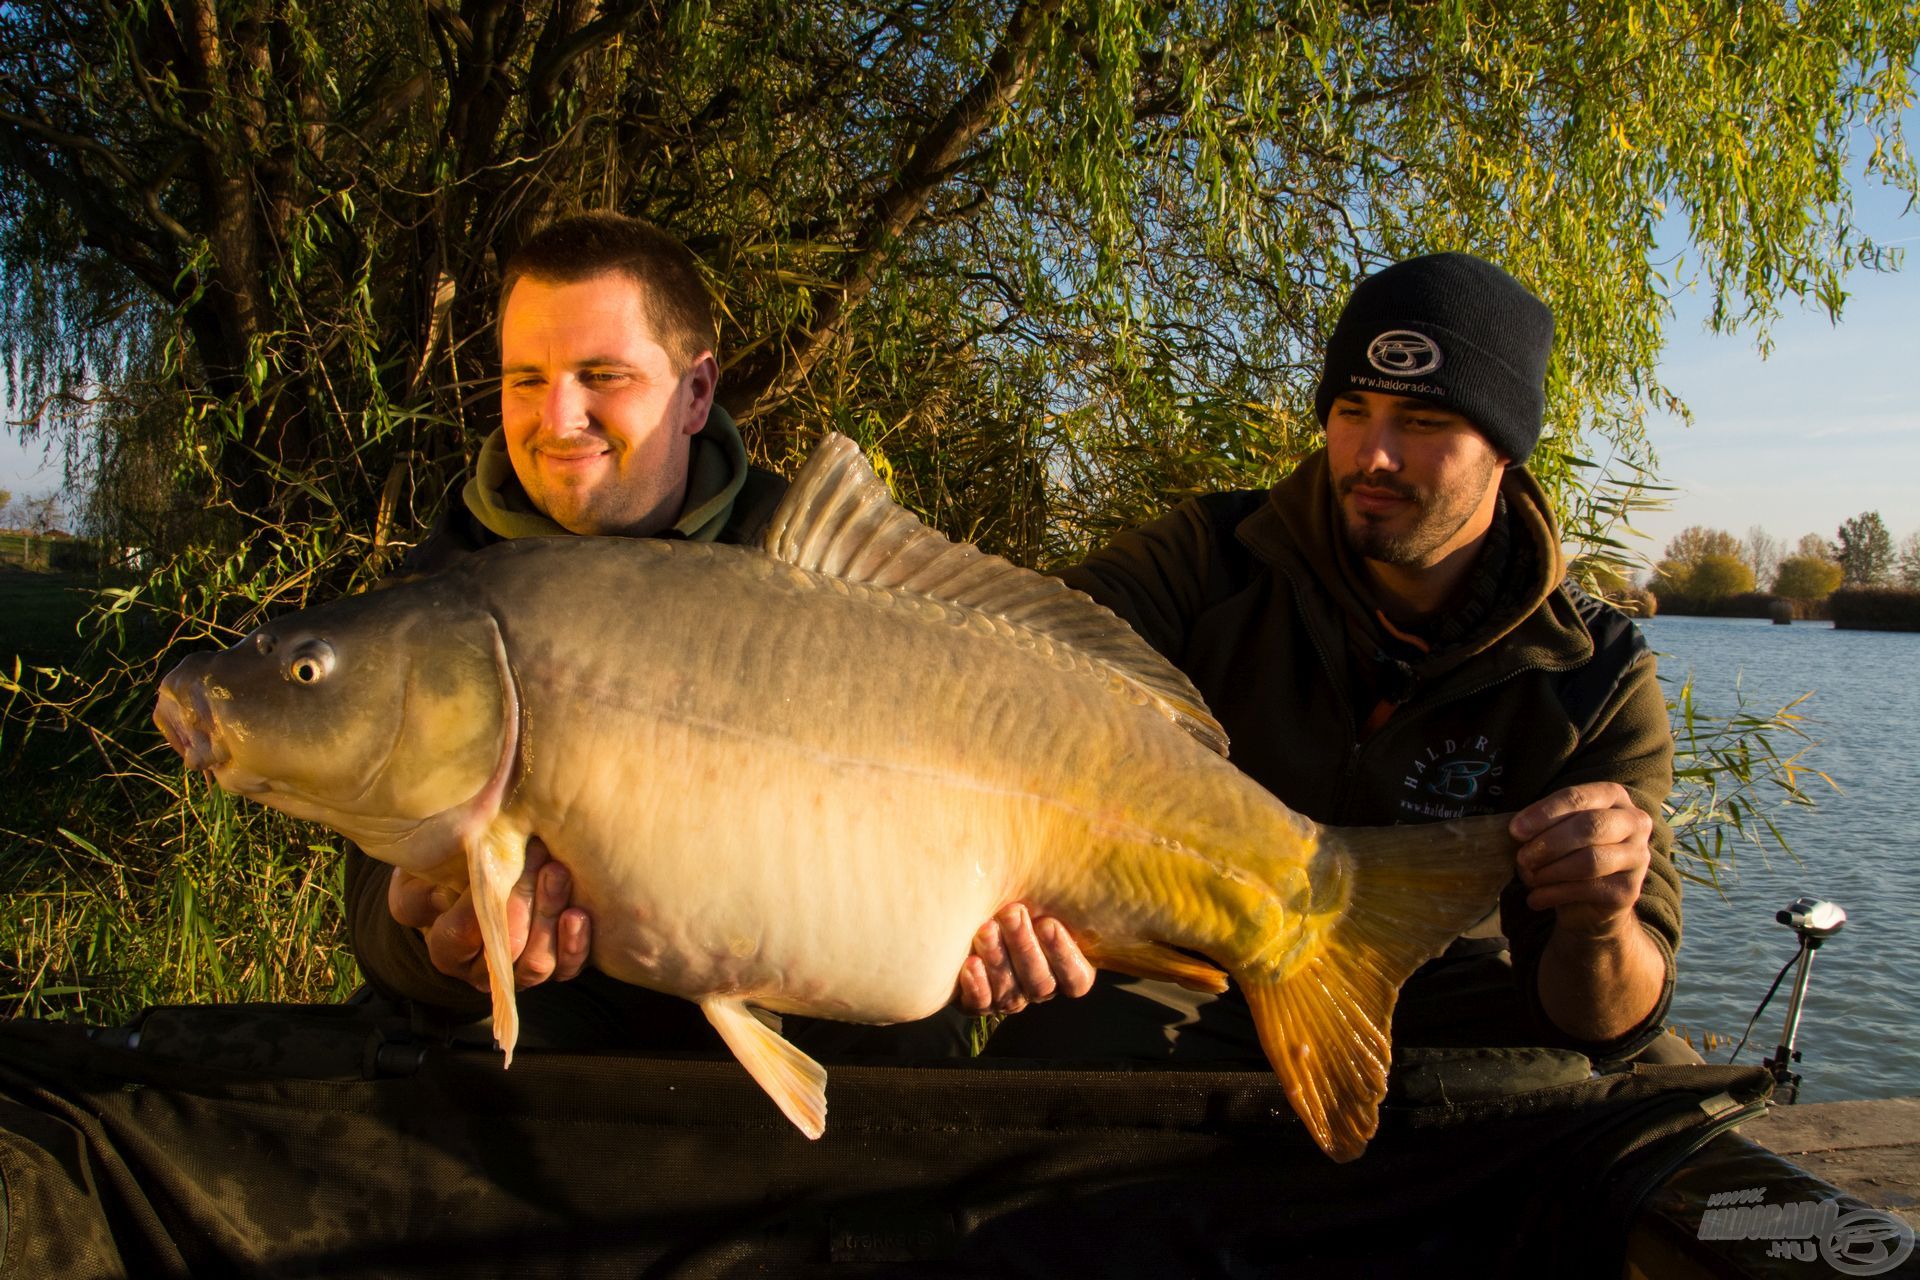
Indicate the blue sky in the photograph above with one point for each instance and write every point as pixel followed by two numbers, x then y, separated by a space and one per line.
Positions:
pixel 1826 427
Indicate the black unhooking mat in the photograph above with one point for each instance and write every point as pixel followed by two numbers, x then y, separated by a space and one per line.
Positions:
pixel 276 1141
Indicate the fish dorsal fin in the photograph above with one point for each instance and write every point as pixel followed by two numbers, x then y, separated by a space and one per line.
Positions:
pixel 838 519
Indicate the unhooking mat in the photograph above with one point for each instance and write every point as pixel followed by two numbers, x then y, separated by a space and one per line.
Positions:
pixel 301 1141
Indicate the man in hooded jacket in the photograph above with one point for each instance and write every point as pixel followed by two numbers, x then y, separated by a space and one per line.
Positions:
pixel 1388 635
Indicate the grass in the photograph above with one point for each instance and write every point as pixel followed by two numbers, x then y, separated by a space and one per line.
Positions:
pixel 124 882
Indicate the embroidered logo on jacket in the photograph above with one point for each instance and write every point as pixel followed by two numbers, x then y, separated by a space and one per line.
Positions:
pixel 1453 778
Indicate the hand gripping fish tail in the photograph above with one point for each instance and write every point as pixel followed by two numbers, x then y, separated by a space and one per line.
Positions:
pixel 1002 738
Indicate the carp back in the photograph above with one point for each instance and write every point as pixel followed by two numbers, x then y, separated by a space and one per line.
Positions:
pixel 390 717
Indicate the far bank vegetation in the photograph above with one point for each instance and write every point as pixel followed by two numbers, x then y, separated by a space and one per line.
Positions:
pixel 1861 579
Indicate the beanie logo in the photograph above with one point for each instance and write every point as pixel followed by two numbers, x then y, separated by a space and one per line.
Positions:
pixel 1403 353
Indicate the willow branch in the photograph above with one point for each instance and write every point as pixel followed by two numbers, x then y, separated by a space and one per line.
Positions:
pixel 545 77
pixel 73 143
pixel 935 157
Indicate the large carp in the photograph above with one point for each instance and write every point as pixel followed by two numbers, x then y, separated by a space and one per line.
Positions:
pixel 800 777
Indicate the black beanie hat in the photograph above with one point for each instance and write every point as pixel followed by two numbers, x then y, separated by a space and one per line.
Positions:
pixel 1450 328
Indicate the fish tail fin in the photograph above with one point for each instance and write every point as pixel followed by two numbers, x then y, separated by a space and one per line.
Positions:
pixel 1326 1022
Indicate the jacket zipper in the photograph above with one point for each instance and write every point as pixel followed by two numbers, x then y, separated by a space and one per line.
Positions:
pixel 1350 771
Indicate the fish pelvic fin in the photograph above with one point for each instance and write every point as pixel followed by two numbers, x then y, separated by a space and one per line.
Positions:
pixel 1326 1022
pixel 1149 960
pixel 495 859
pixel 796 1083
pixel 837 518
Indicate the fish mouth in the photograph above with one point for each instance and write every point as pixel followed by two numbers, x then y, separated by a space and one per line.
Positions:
pixel 186 721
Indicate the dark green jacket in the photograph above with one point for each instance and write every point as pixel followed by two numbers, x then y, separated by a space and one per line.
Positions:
pixel 728 500
pixel 1254 596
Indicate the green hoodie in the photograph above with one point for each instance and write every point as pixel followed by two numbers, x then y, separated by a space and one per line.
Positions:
pixel 1253 595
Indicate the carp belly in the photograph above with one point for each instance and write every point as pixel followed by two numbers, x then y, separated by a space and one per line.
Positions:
pixel 811 895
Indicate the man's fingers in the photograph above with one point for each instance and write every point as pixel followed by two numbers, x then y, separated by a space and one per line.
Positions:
pixel 1548 810
pixel 1588 904
pixel 416 901
pixel 1003 990
pixel 576 940
pixel 1031 967
pixel 1581 831
pixel 535 907
pixel 453 941
pixel 520 902
pixel 1073 976
pixel 540 957
pixel 1017 961
pixel 1005 985
pixel 974 990
pixel 1589 862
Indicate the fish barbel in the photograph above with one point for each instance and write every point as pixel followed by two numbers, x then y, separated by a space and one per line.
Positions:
pixel 799 777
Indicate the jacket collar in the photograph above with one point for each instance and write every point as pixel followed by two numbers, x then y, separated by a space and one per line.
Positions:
pixel 716 470
pixel 1534 624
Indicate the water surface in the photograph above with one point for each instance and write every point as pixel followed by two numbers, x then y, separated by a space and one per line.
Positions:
pixel 1860 1035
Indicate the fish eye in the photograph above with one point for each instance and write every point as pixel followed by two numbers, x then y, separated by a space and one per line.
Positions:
pixel 312 664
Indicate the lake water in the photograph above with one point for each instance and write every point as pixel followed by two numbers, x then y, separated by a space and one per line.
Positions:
pixel 1860 1032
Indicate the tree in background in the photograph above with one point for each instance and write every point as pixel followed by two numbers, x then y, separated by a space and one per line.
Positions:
pixel 1815 546
pixel 1053 261
pixel 1865 551
pixel 1762 552
pixel 1696 542
pixel 38 515
pixel 6 500
pixel 1910 562
pixel 1806 578
pixel 1671 578
pixel 1717 577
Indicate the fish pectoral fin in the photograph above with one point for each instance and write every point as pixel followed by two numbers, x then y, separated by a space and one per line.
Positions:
pixel 494 861
pixel 1154 960
pixel 796 1083
pixel 1325 1030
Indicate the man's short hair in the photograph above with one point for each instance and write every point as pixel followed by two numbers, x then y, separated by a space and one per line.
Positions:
pixel 585 245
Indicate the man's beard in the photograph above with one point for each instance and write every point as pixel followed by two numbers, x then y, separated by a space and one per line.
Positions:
pixel 1437 517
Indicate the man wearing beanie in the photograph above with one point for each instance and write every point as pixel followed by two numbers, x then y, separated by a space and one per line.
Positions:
pixel 1388 636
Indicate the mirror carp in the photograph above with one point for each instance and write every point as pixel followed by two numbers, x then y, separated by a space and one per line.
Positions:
pixel 798 777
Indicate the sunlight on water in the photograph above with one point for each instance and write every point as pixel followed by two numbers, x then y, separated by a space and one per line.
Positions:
pixel 1860 1035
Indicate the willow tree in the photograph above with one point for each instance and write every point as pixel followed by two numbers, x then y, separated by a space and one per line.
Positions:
pixel 1055 262
pixel 1051 259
